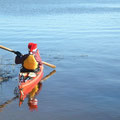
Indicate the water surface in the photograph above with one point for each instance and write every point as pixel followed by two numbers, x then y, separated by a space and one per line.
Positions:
pixel 82 40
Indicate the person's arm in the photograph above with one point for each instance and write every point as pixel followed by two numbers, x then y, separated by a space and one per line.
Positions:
pixel 20 59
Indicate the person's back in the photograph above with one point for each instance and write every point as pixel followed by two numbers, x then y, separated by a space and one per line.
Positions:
pixel 30 61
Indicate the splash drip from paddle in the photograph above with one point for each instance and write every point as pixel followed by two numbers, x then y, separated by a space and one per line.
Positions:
pixel 10 50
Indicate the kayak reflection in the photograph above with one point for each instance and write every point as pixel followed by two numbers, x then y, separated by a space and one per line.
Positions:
pixel 32 100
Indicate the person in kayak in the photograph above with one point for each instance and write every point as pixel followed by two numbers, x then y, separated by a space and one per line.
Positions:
pixel 31 62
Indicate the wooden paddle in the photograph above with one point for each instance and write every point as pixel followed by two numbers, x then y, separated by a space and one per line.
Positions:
pixel 5 48
pixel 10 50
pixel 48 64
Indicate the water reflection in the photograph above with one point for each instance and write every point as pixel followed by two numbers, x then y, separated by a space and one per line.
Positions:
pixel 2 106
pixel 32 100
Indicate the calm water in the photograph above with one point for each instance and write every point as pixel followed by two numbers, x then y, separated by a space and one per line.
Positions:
pixel 82 40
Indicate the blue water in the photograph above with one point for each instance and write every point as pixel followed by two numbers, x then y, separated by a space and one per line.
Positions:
pixel 82 39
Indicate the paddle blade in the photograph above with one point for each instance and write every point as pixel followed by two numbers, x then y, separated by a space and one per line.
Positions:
pixel 48 64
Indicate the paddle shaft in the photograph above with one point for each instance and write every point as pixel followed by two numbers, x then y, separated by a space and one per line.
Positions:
pixel 5 48
pixel 10 50
pixel 48 64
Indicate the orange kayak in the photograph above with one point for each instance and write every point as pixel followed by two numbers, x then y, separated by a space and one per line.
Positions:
pixel 28 80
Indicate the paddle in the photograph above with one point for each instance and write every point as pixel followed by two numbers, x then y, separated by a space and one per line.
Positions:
pixel 5 48
pixel 10 50
pixel 48 64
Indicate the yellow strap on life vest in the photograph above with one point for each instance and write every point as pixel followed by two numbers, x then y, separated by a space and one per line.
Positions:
pixel 30 63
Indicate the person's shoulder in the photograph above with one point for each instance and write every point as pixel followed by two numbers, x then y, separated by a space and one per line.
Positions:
pixel 25 55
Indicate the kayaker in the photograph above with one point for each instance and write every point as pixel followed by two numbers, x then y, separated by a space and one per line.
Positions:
pixel 30 62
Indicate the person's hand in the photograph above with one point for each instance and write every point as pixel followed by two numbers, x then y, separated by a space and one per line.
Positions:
pixel 18 53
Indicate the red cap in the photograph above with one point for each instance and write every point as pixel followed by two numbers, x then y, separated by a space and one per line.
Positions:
pixel 33 104
pixel 32 46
